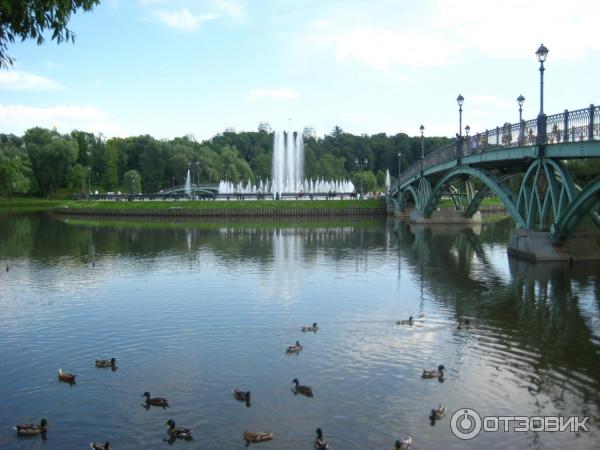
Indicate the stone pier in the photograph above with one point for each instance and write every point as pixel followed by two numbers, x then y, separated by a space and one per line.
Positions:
pixel 536 246
pixel 445 216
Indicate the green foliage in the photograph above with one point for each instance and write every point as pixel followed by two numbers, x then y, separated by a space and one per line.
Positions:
pixel 29 19
pixel 132 180
pixel 58 162
pixel 14 178
pixel 584 170
pixel 368 179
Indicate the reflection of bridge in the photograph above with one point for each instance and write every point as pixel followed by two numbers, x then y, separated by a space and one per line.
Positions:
pixel 529 177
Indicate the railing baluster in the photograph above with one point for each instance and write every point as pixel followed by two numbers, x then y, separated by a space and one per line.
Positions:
pixel 591 123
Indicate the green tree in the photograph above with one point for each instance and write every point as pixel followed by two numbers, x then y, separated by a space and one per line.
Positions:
pixel 78 178
pixel 14 176
pixel 233 167
pixel 29 19
pixel 111 160
pixel 369 181
pixel 132 180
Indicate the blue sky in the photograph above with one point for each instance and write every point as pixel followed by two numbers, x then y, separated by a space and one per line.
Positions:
pixel 169 68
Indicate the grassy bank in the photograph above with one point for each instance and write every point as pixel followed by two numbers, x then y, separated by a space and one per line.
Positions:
pixel 27 204
pixel 224 204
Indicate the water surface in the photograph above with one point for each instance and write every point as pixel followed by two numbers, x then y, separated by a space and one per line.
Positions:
pixel 191 310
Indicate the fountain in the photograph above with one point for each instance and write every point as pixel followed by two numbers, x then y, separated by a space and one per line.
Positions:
pixel 287 172
pixel 187 187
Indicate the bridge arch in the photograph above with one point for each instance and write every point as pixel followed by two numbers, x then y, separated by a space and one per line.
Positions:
pixel 491 182
pixel 587 199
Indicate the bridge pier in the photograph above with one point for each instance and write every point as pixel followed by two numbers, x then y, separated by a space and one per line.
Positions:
pixel 445 216
pixel 535 245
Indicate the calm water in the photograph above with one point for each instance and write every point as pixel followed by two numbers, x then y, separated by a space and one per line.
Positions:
pixel 192 310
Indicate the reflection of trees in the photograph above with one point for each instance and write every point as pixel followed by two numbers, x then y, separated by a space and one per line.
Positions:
pixel 538 308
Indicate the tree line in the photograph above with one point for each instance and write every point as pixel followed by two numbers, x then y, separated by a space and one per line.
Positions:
pixel 44 162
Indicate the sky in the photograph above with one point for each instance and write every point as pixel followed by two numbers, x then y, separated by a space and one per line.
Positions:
pixel 174 67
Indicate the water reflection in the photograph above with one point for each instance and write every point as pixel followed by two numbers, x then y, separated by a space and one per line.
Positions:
pixel 193 309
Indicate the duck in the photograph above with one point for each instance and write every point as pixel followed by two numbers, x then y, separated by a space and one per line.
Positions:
pixel 178 432
pixel 31 429
pixel 320 443
pixel 66 377
pixel 294 348
pixel 104 363
pixel 300 389
pixel 241 395
pixel 437 414
pixel 312 328
pixel 464 324
pixel 156 401
pixel 99 446
pixel 257 436
pixel 410 321
pixel 404 444
pixel 439 373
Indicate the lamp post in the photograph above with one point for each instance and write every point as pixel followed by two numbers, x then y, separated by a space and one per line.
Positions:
pixel 520 101
pixel 198 174
pixel 422 129
pixel 542 55
pixel 460 100
pixel 467 130
pixel 133 186
pixel 360 167
pixel 399 167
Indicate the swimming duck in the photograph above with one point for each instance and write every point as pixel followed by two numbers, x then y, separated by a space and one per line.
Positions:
pixel 439 373
pixel 258 436
pixel 178 432
pixel 410 321
pixel 300 389
pixel 31 429
pixel 98 446
pixel 104 363
pixel 241 395
pixel 404 444
pixel 156 401
pixel 437 414
pixel 312 328
pixel 464 324
pixel 320 443
pixel 66 377
pixel 294 348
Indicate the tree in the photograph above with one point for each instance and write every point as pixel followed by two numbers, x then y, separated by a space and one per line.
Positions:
pixel 13 176
pixel 132 180
pixel 111 158
pixel 29 19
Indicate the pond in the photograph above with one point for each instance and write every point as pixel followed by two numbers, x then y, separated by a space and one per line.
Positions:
pixel 192 310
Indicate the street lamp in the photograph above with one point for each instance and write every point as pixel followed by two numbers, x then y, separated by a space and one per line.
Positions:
pixel 467 130
pixel 133 186
pixel 460 100
pixel 399 167
pixel 422 128
pixel 360 167
pixel 198 173
pixel 542 55
pixel 520 101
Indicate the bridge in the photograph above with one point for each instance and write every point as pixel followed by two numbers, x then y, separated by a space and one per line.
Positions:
pixel 525 166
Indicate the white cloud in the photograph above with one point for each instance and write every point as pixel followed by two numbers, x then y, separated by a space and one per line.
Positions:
pixel 24 81
pixel 183 19
pixel 235 9
pixel 382 48
pixel 18 118
pixel 272 94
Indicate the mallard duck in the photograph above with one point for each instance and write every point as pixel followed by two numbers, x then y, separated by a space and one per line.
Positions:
pixel 105 363
pixel 66 377
pixel 258 436
pixel 300 389
pixel 31 429
pixel 294 348
pixel 178 432
pixel 156 401
pixel 98 446
pixel 312 328
pixel 439 373
pixel 437 414
pixel 410 321
pixel 404 444
pixel 320 443
pixel 241 395
pixel 464 324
